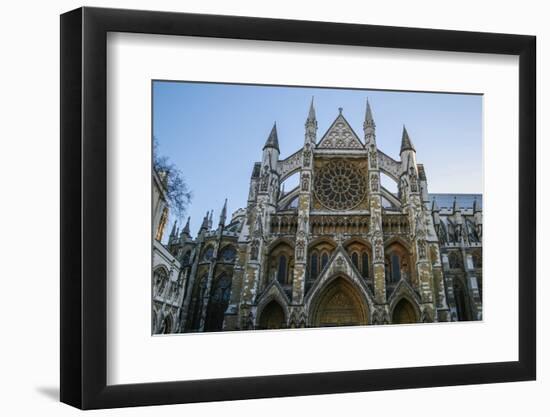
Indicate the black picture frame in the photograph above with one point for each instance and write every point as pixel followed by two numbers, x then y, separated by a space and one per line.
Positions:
pixel 84 207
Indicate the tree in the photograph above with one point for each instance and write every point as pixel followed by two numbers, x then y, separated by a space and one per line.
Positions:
pixel 178 194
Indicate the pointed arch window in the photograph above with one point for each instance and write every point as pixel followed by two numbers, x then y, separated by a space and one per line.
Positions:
pixel 314 265
pixel 208 253
pixel 282 270
pixel 324 260
pixel 395 268
pixel 365 265
pixel 355 259
pixel 228 254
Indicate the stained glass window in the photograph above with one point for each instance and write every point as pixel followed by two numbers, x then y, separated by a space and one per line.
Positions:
pixel 314 265
pixel 395 268
pixel 324 260
pixel 339 186
pixel 365 266
pixel 355 259
pixel 281 270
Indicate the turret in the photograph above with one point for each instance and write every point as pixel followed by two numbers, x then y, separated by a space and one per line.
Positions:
pixel 186 232
pixel 271 148
pixel 406 143
pixel 407 152
pixel 369 127
pixel 311 125
pixel 204 225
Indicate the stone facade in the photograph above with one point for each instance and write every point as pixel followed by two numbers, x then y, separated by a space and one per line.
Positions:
pixel 338 249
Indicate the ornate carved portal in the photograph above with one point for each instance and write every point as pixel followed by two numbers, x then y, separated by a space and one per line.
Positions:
pixel 340 304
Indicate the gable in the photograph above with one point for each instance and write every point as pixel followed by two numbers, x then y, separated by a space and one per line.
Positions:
pixel 340 135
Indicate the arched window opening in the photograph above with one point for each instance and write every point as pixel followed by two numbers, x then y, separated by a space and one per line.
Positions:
pixel 208 253
pixel 324 260
pixel 395 268
pixel 228 254
pixel 282 270
pixel 355 259
pixel 365 266
pixel 281 263
pixel 314 265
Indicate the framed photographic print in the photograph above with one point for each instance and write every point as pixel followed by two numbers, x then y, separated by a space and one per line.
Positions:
pixel 257 208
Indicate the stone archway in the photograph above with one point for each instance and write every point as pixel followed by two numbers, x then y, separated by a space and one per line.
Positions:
pixel 404 313
pixel 340 304
pixel 272 316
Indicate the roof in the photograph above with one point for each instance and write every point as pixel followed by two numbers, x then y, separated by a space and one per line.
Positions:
pixel 465 201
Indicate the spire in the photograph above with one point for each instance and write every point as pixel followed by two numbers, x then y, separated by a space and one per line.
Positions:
pixel 477 207
pixel 223 214
pixel 311 115
pixel 455 205
pixel 210 219
pixel 204 224
pixel 406 143
pixel 187 229
pixel 272 140
pixel 369 120
pixel 311 125
pixel 173 232
pixel 435 207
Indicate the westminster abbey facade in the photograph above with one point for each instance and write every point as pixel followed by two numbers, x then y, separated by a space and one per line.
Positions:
pixel 337 250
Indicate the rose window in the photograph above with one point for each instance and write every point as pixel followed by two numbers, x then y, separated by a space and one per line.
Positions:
pixel 339 186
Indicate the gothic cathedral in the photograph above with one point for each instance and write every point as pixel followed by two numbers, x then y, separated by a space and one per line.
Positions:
pixel 337 250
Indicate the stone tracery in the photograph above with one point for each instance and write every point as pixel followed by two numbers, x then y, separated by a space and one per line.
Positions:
pixel 340 186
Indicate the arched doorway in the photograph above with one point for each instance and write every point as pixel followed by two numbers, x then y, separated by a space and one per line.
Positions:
pixel 272 316
pixel 404 313
pixel 218 304
pixel 340 304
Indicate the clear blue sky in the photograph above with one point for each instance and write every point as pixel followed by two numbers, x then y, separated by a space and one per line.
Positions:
pixel 215 132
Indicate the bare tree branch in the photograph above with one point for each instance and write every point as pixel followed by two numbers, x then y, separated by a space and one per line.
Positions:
pixel 178 194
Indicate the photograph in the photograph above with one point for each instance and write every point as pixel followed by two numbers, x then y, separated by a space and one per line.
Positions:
pixel 292 207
